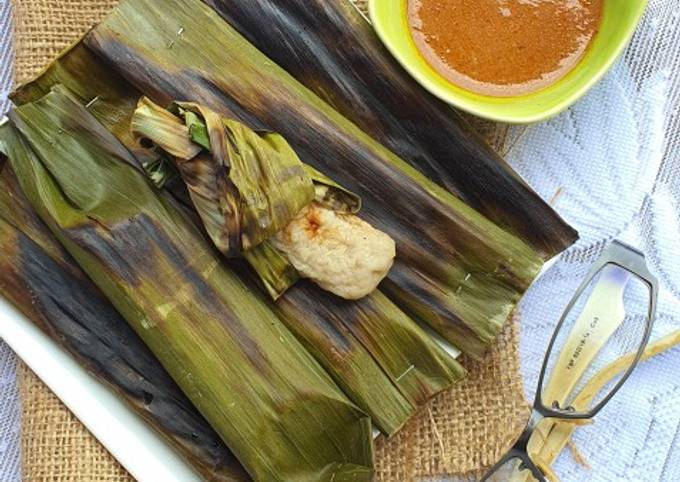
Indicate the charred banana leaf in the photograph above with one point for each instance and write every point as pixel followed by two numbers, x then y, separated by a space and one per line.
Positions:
pixel 329 327
pixel 356 368
pixel 44 283
pixel 221 343
pixel 329 47
pixel 256 199
pixel 247 186
pixel 417 365
pixel 455 269
pixel 339 334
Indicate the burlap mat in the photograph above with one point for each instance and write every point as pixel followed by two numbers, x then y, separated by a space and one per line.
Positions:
pixel 55 446
pixel 459 432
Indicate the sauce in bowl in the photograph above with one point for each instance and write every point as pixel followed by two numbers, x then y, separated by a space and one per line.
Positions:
pixel 503 47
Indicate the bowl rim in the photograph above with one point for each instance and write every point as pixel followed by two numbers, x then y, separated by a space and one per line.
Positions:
pixel 486 110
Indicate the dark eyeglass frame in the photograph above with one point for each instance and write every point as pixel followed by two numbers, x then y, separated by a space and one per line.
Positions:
pixel 631 260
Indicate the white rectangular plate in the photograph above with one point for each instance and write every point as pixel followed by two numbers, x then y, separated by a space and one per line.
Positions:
pixel 143 453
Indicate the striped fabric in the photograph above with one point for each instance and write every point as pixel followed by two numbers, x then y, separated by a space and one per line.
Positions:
pixel 9 413
pixel 5 54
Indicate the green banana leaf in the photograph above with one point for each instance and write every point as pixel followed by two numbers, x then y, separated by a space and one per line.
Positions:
pixel 164 128
pixel 354 368
pixel 44 283
pixel 411 360
pixel 246 188
pixel 267 398
pixel 265 186
pixel 459 272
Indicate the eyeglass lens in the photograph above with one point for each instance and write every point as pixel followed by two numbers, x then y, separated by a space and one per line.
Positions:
pixel 606 321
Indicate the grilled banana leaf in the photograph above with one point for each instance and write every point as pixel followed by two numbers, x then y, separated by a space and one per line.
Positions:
pixel 328 326
pixel 417 365
pixel 329 47
pixel 276 409
pixel 251 187
pixel 358 369
pixel 44 283
pixel 455 269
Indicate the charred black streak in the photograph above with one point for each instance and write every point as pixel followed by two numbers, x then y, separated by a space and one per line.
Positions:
pixel 136 250
pixel 88 237
pixel 327 308
pixel 100 224
pixel 89 327
pixel 147 397
pixel 216 97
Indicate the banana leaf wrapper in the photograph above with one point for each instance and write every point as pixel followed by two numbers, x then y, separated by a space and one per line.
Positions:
pixel 45 284
pixel 238 212
pixel 381 359
pixel 330 47
pixel 276 409
pixel 327 325
pixel 379 386
pixel 418 366
pixel 245 186
pixel 459 272
pixel 249 188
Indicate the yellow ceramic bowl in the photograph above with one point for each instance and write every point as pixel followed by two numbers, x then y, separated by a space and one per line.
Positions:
pixel 619 20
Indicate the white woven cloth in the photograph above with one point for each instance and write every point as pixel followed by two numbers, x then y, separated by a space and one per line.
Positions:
pixel 616 158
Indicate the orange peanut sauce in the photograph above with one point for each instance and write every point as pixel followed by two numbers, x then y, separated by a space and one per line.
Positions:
pixel 503 47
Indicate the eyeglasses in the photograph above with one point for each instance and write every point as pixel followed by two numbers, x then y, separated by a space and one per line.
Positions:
pixel 606 324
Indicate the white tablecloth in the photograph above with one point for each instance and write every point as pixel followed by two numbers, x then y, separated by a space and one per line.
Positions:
pixel 615 156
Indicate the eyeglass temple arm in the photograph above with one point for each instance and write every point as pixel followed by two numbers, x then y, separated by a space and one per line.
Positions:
pixel 557 433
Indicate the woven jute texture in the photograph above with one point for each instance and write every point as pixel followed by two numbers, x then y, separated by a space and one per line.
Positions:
pixel 459 432
pixel 56 447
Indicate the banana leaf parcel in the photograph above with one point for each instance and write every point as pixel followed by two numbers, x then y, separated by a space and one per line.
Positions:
pixel 330 47
pixel 417 366
pixel 44 283
pixel 456 270
pixel 379 356
pixel 247 187
pixel 277 410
